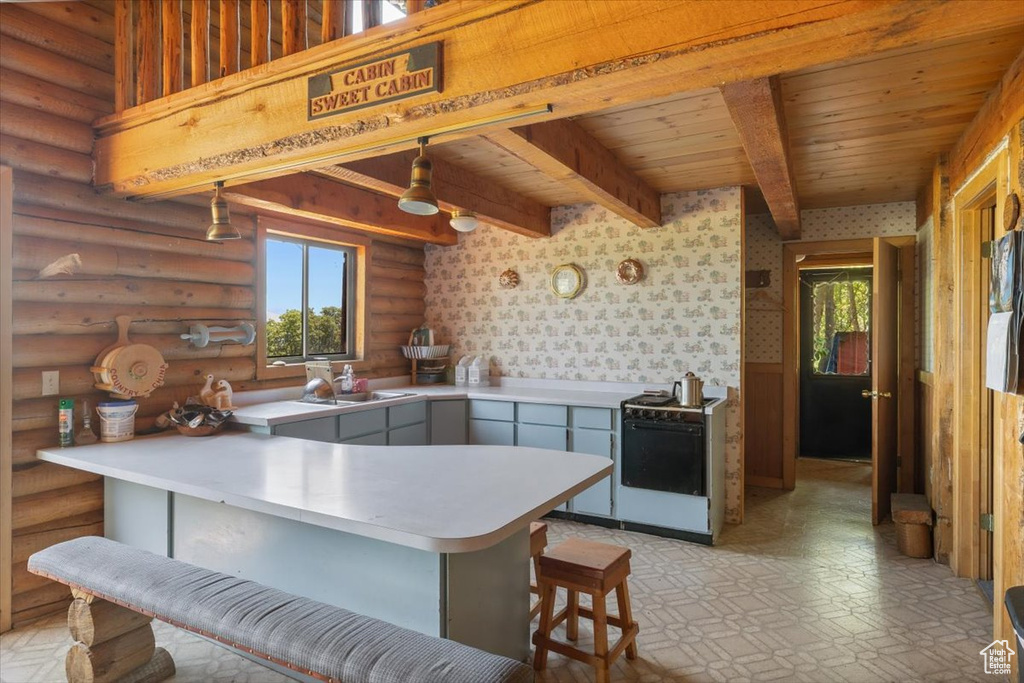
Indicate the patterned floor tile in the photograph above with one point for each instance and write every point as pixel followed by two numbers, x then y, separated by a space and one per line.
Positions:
pixel 806 590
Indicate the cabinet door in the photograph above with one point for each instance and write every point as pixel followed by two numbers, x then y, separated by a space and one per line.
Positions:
pixel 320 429
pixel 448 423
pixel 491 433
pixel 597 500
pixel 361 423
pixel 542 436
pixel 410 435
pixel 378 439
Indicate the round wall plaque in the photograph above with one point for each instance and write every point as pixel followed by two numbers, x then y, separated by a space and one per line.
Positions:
pixel 1011 211
pixel 567 281
pixel 630 272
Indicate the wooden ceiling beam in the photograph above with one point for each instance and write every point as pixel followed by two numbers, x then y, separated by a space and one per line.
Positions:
pixel 756 109
pixel 564 151
pixel 317 198
pixel 454 187
pixel 567 55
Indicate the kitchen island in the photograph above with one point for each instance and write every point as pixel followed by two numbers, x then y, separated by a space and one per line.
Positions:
pixel 433 538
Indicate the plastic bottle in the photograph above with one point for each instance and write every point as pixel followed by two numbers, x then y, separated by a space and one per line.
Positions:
pixel 462 370
pixel 66 422
pixel 347 379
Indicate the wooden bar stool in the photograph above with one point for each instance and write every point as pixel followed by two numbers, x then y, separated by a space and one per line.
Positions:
pixel 538 541
pixel 595 569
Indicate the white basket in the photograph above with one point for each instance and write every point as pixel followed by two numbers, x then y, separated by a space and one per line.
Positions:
pixel 423 352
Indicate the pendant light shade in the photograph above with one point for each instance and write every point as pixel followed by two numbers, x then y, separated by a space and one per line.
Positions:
pixel 464 221
pixel 419 199
pixel 221 228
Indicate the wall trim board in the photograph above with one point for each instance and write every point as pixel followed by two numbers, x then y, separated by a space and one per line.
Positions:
pixel 6 389
pixel 764 368
pixel 971 430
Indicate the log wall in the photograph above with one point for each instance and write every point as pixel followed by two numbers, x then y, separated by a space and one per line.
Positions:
pixel 148 261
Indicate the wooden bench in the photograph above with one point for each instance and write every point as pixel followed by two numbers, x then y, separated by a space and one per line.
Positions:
pixel 913 517
pixel 325 642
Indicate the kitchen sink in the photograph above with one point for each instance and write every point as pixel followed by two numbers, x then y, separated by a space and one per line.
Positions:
pixel 364 397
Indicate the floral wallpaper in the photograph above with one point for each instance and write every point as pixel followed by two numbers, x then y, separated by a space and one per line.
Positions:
pixel 763 328
pixel 684 315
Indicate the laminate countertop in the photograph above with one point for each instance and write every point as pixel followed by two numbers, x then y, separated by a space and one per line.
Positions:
pixel 446 499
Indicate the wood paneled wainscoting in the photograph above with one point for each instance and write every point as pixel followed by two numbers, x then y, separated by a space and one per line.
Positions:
pixel 762 424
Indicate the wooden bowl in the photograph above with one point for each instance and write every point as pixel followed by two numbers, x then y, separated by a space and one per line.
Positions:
pixel 201 430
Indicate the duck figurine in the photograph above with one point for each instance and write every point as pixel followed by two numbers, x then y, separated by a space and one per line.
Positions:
pixel 222 398
pixel 206 394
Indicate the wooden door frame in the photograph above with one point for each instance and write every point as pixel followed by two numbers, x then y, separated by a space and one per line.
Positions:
pixel 850 250
pixel 973 422
pixel 6 391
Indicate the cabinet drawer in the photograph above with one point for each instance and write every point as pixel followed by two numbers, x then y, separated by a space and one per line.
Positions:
pixel 321 429
pixel 492 410
pixel 542 414
pixel 407 414
pixel 542 436
pixel 363 422
pixel 593 418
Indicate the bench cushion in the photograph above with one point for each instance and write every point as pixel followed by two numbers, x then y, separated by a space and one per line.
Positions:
pixel 312 636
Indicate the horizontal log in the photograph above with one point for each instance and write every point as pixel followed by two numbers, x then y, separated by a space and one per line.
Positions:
pixel 92 21
pixel 35 252
pixel 36 157
pixel 49 593
pixel 381 252
pixel 23 581
pixel 406 289
pixel 79 349
pixel 29 59
pixel 396 272
pixel 28 616
pixel 27 382
pixel 63 194
pixel 109 661
pixel 37 221
pixel 24 444
pixel 46 476
pixel 99 621
pixel 37 126
pixel 34 318
pixel 65 41
pixel 31 92
pixel 394 323
pixel 160 667
pixel 47 506
pixel 381 304
pixel 28 541
pixel 138 291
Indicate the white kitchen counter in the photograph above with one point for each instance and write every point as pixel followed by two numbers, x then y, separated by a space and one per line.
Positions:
pixel 282 412
pixel 446 499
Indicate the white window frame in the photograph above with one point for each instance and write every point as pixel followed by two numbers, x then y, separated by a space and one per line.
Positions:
pixel 358 246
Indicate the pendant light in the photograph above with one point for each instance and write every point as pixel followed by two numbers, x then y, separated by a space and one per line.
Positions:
pixel 464 221
pixel 221 228
pixel 419 199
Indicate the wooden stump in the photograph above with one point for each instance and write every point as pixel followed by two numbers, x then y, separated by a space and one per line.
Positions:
pixel 114 643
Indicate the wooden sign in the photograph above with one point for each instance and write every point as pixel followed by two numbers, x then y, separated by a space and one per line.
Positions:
pixel 385 79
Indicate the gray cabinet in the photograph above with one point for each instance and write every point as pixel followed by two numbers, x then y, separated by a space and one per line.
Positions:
pixel 491 433
pixel 319 429
pixel 542 436
pixel 351 426
pixel 448 422
pixel 375 439
pixel 539 425
pixel 596 500
pixel 409 435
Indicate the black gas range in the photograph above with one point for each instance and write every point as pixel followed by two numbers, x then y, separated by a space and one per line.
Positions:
pixel 662 407
pixel 663 445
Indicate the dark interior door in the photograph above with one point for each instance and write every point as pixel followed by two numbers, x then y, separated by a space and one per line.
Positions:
pixel 835 352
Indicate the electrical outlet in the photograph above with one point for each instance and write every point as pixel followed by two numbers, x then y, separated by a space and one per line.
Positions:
pixel 51 382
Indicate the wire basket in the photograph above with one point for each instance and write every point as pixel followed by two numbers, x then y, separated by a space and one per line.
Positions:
pixel 424 352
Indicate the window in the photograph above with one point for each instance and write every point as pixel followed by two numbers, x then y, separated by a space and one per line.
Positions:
pixel 841 333
pixel 310 299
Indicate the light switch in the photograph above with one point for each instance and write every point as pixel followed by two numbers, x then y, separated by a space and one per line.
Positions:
pixel 51 382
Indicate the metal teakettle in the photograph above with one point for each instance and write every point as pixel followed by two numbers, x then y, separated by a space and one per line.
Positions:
pixel 689 391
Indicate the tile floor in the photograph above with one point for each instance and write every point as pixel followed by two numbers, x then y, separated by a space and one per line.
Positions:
pixel 806 590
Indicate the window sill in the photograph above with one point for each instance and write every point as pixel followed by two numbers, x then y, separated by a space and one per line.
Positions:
pixel 299 369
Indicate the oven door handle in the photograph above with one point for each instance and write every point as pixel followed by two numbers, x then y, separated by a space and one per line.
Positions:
pixel 673 427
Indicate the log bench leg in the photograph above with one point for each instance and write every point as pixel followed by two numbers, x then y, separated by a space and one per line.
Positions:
pixel 113 644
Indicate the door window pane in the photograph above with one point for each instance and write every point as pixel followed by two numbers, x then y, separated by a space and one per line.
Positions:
pixel 284 299
pixel 326 318
pixel 842 325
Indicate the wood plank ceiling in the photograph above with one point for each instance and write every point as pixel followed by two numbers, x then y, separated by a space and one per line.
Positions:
pixel 860 132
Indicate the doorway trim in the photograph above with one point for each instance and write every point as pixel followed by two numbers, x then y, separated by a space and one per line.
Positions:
pixel 844 250
pixel 971 444
pixel 6 390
